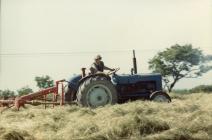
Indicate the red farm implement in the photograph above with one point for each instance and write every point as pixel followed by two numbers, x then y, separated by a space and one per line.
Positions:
pixel 56 97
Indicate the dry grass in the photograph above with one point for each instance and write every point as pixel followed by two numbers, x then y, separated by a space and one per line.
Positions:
pixel 188 117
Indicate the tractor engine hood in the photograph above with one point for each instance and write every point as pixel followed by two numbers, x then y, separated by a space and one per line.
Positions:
pixel 133 79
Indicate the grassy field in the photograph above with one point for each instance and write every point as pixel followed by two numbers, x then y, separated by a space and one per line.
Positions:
pixel 188 117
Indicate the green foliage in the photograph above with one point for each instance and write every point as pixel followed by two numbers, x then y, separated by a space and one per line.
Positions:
pixel 179 62
pixel 181 91
pixel 44 81
pixel 197 89
pixel 5 94
pixel 24 91
pixel 202 88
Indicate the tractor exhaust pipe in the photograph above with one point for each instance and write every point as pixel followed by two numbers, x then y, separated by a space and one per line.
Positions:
pixel 134 63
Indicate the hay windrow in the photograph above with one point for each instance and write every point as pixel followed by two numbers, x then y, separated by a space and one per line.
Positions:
pixel 187 117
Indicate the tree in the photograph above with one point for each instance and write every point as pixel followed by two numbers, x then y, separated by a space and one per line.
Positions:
pixel 24 91
pixel 44 81
pixel 179 62
pixel 5 94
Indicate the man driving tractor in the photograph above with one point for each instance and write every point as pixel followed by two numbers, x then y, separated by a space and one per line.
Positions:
pixel 98 65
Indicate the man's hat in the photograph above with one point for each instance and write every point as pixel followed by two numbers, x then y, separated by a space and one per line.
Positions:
pixel 98 57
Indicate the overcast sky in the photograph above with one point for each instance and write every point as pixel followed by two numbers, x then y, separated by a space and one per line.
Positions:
pixel 32 31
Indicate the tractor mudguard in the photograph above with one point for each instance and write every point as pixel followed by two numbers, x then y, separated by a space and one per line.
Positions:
pixel 94 75
pixel 75 81
pixel 160 96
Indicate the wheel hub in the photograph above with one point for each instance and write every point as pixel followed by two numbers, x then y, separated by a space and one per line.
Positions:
pixel 99 95
pixel 99 98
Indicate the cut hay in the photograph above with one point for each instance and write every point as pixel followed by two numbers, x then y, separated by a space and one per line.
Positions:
pixel 187 117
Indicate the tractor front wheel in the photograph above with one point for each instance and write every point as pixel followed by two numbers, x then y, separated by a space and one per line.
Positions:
pixel 160 96
pixel 96 91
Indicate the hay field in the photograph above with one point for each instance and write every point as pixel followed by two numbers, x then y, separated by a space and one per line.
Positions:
pixel 188 117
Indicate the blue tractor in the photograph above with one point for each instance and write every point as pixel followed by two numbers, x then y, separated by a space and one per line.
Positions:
pixel 110 88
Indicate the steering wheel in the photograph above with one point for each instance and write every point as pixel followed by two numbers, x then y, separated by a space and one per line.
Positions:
pixel 114 71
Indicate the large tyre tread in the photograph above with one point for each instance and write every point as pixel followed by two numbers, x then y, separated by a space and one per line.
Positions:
pixel 81 95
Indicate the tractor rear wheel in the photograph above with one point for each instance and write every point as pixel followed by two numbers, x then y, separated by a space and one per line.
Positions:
pixel 160 96
pixel 96 91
